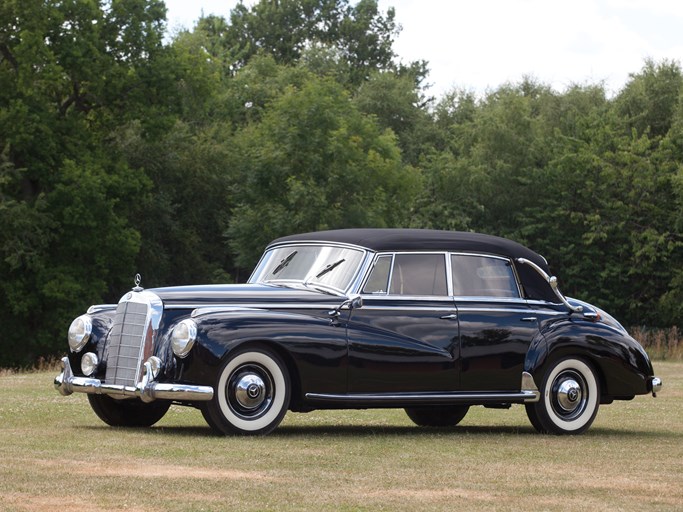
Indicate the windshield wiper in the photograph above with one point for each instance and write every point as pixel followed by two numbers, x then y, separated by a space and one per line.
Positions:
pixel 329 268
pixel 283 263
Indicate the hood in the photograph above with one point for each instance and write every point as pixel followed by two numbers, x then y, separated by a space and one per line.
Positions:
pixel 253 295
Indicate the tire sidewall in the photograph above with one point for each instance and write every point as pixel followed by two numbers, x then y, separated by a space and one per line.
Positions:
pixel 128 413
pixel 281 393
pixel 554 422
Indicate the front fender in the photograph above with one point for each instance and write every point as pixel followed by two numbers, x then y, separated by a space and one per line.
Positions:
pixel 314 347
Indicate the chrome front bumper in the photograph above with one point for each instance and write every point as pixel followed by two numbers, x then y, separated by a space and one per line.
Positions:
pixel 147 389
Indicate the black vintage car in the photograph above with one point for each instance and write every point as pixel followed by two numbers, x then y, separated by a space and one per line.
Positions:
pixel 430 321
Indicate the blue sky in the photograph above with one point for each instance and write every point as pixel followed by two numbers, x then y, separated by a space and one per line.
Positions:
pixel 479 45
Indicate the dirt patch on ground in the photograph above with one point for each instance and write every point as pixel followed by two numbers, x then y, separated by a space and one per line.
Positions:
pixel 28 503
pixel 146 469
pixel 173 471
pixel 433 495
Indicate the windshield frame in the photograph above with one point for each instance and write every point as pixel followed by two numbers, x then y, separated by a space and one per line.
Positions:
pixel 309 281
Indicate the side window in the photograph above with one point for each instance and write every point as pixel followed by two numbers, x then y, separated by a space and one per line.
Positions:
pixel 378 281
pixel 419 274
pixel 482 276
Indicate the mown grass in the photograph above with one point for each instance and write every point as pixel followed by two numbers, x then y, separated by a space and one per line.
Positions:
pixel 56 455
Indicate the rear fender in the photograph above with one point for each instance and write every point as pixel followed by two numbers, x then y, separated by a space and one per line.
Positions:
pixel 621 363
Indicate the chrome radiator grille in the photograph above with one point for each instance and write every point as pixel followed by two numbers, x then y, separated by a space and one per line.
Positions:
pixel 127 341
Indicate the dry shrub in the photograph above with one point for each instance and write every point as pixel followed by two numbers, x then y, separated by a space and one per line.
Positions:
pixel 660 343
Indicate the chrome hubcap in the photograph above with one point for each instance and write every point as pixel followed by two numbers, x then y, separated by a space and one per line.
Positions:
pixel 569 395
pixel 250 391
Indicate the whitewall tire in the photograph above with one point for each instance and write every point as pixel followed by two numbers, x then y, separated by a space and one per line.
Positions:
pixel 252 393
pixel 570 398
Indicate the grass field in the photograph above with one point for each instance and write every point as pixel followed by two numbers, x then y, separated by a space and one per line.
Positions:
pixel 56 455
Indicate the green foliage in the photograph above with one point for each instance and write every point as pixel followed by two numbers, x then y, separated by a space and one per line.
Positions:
pixel 71 73
pixel 313 162
pixel 121 152
pixel 561 173
pixel 285 29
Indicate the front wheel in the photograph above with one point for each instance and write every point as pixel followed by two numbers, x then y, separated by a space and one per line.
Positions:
pixel 570 397
pixel 252 394
pixel 128 412
pixel 437 416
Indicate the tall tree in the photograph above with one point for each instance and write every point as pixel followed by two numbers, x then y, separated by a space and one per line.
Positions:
pixel 285 29
pixel 71 72
pixel 312 162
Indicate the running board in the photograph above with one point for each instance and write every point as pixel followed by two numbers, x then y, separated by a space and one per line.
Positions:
pixel 528 394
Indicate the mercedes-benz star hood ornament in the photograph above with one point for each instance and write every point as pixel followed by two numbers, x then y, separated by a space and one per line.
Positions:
pixel 137 280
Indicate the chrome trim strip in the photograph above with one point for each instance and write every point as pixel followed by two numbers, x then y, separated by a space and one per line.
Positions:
pixel 96 308
pixel 447 305
pixel 263 306
pixel 489 298
pixel 420 398
pixel 552 281
pixel 406 308
pixel 546 312
pixel 407 298
pixel 529 386
pixel 538 302
pixel 326 243
pixel 221 309
pixel 495 310
pixel 147 390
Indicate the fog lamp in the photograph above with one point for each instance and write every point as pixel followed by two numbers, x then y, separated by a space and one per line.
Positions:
pixel 89 363
pixel 155 366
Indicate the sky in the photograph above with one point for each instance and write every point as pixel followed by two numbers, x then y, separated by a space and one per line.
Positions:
pixel 479 45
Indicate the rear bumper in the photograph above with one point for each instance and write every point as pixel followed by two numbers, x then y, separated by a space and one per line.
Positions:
pixel 147 389
pixel 656 384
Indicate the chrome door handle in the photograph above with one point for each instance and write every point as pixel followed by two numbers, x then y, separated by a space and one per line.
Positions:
pixel 529 319
pixel 452 316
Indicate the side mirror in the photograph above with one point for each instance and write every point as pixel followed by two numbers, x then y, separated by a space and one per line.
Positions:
pixel 353 302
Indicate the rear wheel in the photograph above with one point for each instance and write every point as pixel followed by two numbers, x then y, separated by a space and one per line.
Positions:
pixel 570 397
pixel 252 394
pixel 437 416
pixel 128 412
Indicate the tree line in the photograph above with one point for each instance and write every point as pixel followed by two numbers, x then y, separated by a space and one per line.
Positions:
pixel 124 149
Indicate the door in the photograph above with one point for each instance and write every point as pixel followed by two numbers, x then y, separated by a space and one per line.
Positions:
pixel 405 336
pixel 496 324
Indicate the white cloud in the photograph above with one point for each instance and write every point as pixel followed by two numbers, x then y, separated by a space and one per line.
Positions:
pixel 482 44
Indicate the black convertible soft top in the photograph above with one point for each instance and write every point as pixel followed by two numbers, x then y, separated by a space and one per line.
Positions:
pixel 384 240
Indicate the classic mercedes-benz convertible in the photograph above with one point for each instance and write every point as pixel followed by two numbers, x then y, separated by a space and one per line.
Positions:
pixel 433 322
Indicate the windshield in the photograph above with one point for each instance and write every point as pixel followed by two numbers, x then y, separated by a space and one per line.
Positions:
pixel 313 265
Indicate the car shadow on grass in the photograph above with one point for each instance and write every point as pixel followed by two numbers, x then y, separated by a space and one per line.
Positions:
pixel 468 430
pixel 396 431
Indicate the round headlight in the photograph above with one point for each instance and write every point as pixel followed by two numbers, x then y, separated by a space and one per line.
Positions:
pixel 79 333
pixel 89 363
pixel 183 337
